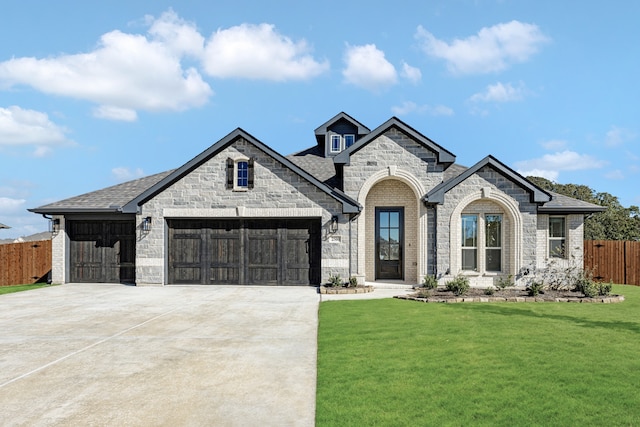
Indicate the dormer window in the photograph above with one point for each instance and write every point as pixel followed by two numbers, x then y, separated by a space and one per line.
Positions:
pixel 349 140
pixel 336 143
pixel 239 173
pixel 341 142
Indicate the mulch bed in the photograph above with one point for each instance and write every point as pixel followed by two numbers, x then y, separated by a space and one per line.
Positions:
pixel 509 295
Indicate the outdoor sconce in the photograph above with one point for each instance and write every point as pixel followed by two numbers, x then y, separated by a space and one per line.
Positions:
pixel 333 226
pixel 146 224
pixel 54 225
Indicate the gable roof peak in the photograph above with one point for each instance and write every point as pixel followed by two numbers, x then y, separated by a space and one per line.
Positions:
pixel 443 155
pixel 324 128
pixel 538 195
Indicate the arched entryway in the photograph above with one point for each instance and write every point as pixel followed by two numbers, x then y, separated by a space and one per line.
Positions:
pixel 392 229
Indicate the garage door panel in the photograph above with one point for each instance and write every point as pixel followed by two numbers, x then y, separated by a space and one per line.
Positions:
pixel 185 258
pixel 101 251
pixel 256 251
pixel 224 258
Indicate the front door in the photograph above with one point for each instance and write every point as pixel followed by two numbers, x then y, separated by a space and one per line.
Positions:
pixel 389 243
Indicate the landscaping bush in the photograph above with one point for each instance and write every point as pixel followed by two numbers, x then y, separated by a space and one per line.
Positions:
pixel 535 288
pixel 335 281
pixel 490 290
pixel 504 282
pixel 459 285
pixel 353 282
pixel 429 282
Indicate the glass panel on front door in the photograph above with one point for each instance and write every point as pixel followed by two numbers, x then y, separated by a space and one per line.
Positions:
pixel 389 240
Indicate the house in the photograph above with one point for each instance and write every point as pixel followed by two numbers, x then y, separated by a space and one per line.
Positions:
pixel 387 204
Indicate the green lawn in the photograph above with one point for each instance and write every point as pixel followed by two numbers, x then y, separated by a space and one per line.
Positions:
pixel 20 288
pixel 394 362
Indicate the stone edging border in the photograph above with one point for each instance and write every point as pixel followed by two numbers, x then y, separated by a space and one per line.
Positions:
pixel 340 290
pixel 604 300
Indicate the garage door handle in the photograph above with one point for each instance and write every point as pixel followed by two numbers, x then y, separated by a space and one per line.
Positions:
pixel 306 245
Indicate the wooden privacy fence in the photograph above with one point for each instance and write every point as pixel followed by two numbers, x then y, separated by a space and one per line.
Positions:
pixel 613 260
pixel 25 263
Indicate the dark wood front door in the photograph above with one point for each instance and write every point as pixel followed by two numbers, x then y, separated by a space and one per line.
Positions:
pixel 101 251
pixel 253 252
pixel 389 243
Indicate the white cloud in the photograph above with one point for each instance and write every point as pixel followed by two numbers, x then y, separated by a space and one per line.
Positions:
pixel 176 34
pixel 408 107
pixel 615 174
pixel 554 144
pixel 9 205
pixel 413 74
pixel 367 67
pixel 115 113
pixel 19 126
pixel 617 136
pixel 493 49
pixel 125 71
pixel 550 165
pixel 122 173
pixel 259 52
pixel 548 174
pixel 500 93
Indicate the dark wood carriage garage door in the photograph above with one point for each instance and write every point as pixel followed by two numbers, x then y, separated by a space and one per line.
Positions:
pixel 260 252
pixel 102 251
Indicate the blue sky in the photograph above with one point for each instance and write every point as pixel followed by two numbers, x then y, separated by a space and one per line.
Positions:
pixel 97 93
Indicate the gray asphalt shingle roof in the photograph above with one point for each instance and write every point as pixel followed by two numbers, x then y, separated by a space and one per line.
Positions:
pixel 108 199
pixel 313 161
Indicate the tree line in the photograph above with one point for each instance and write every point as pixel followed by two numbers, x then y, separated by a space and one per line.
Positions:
pixel 615 223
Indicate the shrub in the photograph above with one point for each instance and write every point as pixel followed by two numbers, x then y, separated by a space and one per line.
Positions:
pixel 504 282
pixel 591 288
pixel 459 285
pixel 605 288
pixel 535 288
pixel 490 290
pixel 588 287
pixel 353 282
pixel 335 281
pixel 429 282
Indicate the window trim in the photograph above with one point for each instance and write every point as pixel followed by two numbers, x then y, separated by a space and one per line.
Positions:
pixel 463 247
pixel 487 248
pixel 232 173
pixel 481 249
pixel 344 137
pixel 562 238
pixel 338 138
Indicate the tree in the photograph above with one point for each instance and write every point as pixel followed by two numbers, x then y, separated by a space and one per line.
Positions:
pixel 615 223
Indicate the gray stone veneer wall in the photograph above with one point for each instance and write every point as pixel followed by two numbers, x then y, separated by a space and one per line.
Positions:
pixel 277 192
pixel 393 156
pixel 496 187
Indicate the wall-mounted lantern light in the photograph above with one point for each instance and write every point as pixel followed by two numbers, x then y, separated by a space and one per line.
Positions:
pixel 146 224
pixel 54 225
pixel 333 226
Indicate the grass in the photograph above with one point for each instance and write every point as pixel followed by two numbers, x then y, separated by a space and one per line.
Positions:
pixel 20 288
pixel 394 362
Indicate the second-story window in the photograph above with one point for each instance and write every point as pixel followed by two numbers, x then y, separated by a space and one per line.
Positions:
pixel 349 140
pixel 240 174
pixel 336 143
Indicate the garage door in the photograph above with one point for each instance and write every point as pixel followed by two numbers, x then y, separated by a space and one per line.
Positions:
pixel 253 252
pixel 101 251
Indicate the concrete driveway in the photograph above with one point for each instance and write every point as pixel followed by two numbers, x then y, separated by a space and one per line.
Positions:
pixel 94 355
